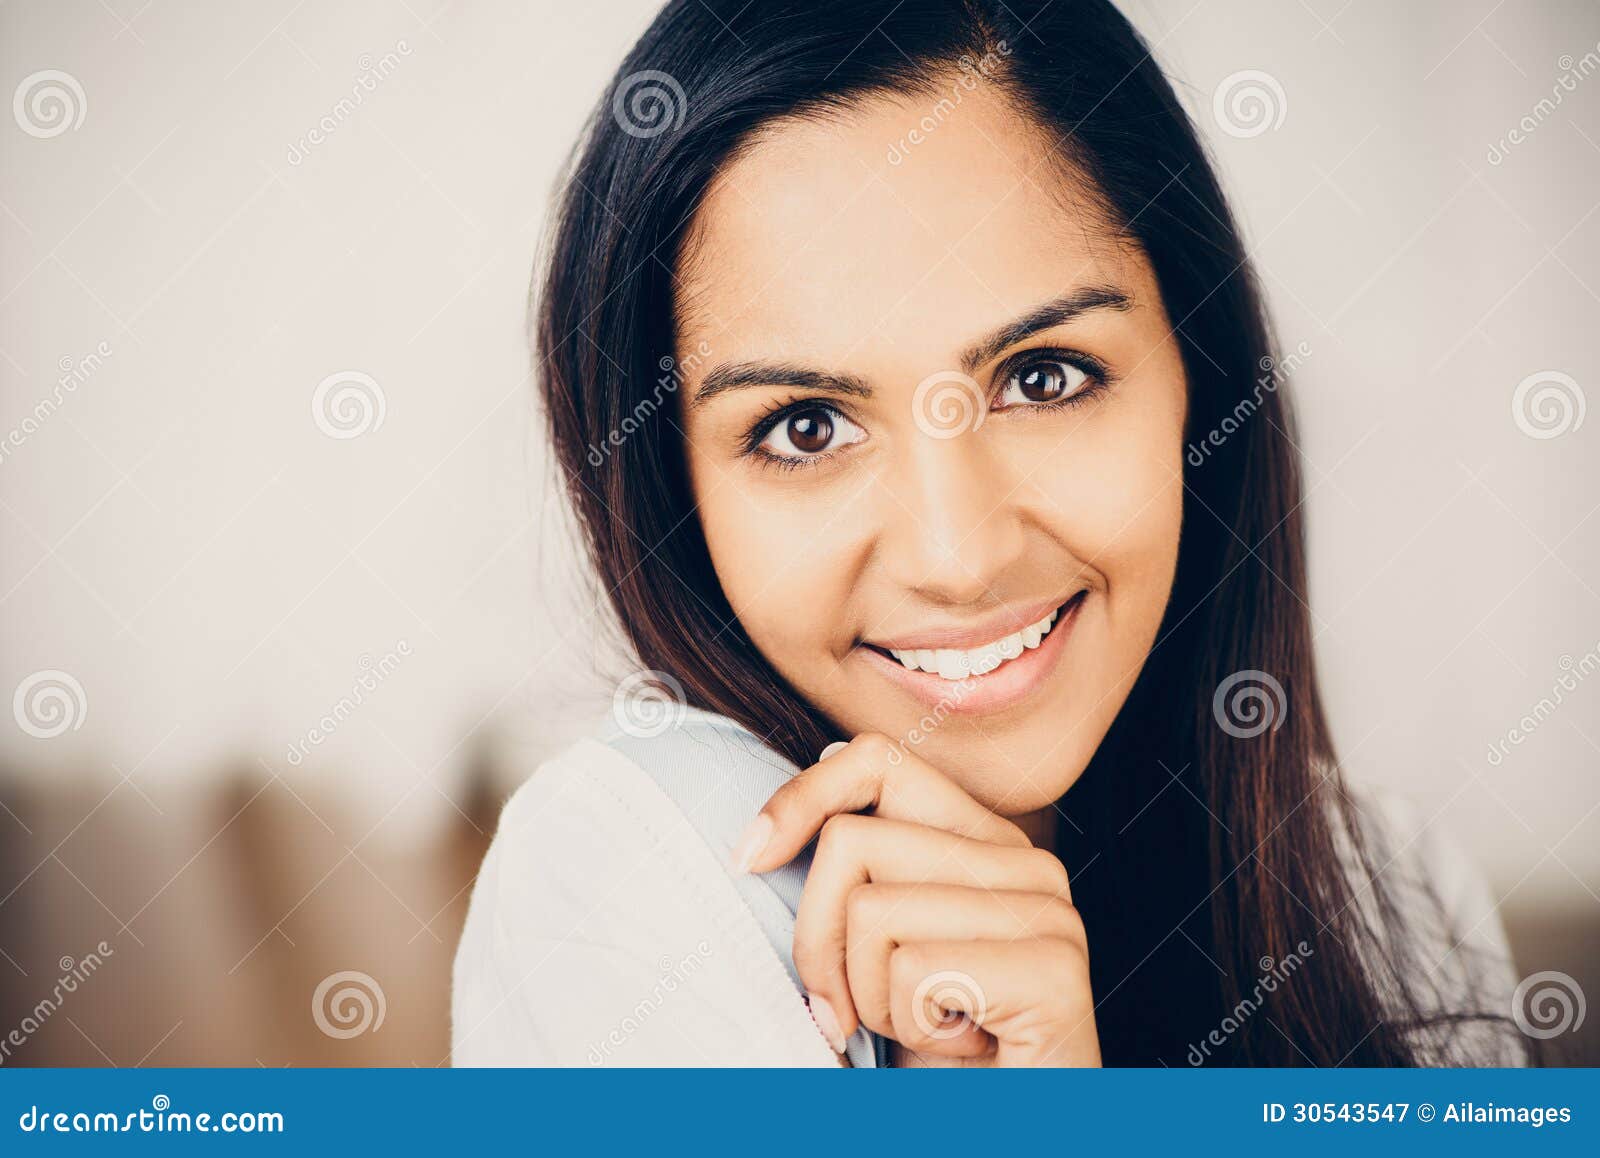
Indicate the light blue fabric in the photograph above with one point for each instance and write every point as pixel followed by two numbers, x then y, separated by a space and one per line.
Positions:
pixel 720 774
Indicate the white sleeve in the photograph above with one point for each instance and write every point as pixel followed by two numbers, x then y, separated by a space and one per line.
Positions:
pixel 603 931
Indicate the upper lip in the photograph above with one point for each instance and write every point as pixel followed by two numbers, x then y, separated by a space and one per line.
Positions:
pixel 970 635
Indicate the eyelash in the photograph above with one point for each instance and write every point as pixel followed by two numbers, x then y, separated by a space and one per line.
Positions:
pixel 1099 381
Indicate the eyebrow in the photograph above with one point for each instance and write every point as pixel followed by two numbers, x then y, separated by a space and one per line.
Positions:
pixel 1055 313
pixel 739 375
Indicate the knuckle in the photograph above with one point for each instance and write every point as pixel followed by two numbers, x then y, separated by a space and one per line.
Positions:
pixel 907 967
pixel 861 907
pixel 1068 961
pixel 1049 868
pixel 838 833
pixel 1071 922
pixel 873 747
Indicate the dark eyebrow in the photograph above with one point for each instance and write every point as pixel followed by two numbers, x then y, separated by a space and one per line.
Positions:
pixel 738 375
pixel 1055 313
pixel 735 375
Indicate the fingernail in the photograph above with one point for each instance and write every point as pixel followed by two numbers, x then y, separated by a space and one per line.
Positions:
pixel 836 746
pixel 751 842
pixel 827 1021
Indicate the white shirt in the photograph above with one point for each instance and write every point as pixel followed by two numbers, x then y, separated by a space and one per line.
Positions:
pixel 605 927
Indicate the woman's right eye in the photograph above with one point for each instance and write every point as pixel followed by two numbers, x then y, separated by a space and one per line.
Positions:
pixel 810 432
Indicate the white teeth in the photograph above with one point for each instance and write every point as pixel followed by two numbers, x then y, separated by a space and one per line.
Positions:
pixel 954 664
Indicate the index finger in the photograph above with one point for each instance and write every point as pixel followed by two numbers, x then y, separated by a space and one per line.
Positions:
pixel 870 772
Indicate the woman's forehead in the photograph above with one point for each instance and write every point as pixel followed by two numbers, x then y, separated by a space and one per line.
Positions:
pixel 817 235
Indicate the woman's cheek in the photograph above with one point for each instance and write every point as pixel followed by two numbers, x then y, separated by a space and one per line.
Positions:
pixel 1114 485
pixel 781 562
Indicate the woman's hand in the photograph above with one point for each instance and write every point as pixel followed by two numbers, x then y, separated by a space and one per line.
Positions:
pixel 926 917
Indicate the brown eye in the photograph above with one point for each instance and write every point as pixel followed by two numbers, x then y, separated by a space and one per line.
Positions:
pixel 1044 381
pixel 810 432
pixel 1042 384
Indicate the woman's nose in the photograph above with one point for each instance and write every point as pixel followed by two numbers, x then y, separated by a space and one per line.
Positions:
pixel 952 523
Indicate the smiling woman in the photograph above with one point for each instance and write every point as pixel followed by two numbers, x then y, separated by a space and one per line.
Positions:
pixel 924 491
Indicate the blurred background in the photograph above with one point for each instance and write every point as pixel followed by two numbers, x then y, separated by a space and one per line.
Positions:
pixel 288 603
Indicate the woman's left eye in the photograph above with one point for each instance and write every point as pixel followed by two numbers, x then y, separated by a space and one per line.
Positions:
pixel 1041 382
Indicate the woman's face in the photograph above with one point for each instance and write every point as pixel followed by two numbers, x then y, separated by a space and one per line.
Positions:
pixel 934 431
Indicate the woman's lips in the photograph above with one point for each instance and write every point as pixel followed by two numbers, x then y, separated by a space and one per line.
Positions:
pixel 1009 684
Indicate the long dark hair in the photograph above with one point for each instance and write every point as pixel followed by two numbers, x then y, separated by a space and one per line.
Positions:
pixel 1209 862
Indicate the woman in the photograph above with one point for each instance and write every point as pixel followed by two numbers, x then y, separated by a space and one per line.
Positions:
pixel 916 399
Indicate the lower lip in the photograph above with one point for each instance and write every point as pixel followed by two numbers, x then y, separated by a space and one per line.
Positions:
pixel 1008 685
